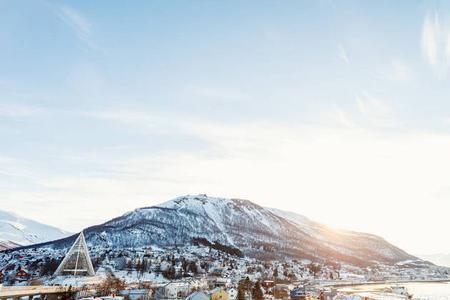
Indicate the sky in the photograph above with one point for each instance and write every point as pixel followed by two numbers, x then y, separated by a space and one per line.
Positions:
pixel 337 110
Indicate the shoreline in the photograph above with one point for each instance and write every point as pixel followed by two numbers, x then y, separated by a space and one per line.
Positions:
pixel 388 282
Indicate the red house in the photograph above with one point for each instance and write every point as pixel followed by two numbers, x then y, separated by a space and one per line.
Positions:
pixel 22 275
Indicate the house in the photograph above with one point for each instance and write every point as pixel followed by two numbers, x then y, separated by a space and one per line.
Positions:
pixel 120 263
pixel 174 290
pixel 222 282
pixel 268 283
pixel 219 294
pixel 281 291
pixel 198 296
pixel 21 274
pixel 217 271
pixel 137 294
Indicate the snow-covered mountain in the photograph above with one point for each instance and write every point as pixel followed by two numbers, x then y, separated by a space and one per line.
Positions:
pixel 17 231
pixel 255 230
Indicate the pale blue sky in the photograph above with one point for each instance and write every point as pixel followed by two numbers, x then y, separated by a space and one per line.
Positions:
pixel 317 107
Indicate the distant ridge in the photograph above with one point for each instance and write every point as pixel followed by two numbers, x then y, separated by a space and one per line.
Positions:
pixel 17 231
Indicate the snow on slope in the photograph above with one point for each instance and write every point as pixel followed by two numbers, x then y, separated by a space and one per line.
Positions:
pixel 257 231
pixel 15 230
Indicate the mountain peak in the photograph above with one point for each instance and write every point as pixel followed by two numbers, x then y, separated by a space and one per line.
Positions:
pixel 202 200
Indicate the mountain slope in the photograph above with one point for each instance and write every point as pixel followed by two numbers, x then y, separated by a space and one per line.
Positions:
pixel 344 241
pixel 438 259
pixel 15 231
pixel 255 230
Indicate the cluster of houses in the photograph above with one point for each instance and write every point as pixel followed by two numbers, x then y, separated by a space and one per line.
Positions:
pixel 197 272
pixel 23 266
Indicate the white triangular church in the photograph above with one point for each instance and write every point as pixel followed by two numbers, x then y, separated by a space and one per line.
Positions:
pixel 77 261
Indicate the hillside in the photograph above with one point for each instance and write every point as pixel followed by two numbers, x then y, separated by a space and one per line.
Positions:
pixel 255 230
pixel 18 231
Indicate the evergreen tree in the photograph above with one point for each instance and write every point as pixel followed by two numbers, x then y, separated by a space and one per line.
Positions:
pixel 129 266
pixel 241 292
pixel 143 268
pixel 257 293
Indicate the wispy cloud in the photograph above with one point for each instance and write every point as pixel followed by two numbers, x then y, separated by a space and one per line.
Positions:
pixel 342 54
pixel 436 43
pixel 215 93
pixel 139 120
pixel 375 110
pixel 78 23
pixel 15 110
pixel 399 71
pixel 430 37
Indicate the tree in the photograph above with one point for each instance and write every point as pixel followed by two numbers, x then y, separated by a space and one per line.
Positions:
pixel 247 283
pixel 241 291
pixel 169 273
pixel 314 268
pixel 49 267
pixel 257 293
pixel 144 266
pixel 184 264
pixel 129 266
pixel 244 287
pixel 192 267
pixel 292 276
pixel 139 266
pixel 275 272
pixel 111 285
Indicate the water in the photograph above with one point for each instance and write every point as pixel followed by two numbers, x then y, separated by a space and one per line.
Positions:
pixel 422 291
pixel 430 291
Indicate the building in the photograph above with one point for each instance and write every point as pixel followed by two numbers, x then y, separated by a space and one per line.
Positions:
pixel 219 294
pixel 77 261
pixel 198 296
pixel 173 290
pixel 22 274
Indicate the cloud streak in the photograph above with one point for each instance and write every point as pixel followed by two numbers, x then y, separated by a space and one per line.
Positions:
pixel 78 23
pixel 342 54
pixel 435 43
pixel 17 110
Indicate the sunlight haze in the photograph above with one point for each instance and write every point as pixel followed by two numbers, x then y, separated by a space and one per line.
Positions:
pixel 338 111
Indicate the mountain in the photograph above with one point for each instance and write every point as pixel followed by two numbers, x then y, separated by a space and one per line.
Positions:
pixel 5 245
pixel 256 231
pixel 438 259
pixel 18 231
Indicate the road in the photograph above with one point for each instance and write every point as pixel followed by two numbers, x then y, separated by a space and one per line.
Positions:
pixel 16 292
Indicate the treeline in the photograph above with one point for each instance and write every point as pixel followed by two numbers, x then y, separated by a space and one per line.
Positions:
pixel 217 246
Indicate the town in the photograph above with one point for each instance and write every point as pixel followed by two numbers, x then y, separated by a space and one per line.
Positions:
pixel 194 272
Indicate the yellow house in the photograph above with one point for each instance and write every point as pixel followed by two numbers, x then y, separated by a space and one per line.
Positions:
pixel 219 294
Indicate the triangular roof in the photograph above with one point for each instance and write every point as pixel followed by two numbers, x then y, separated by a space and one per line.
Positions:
pixel 77 261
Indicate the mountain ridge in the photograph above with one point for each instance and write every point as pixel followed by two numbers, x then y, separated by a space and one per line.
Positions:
pixel 259 232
